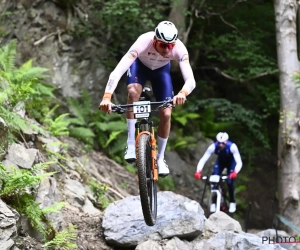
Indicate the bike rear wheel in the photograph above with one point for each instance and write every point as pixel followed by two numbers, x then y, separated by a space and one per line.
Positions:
pixel 147 185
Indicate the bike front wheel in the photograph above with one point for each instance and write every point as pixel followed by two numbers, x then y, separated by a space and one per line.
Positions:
pixel 147 185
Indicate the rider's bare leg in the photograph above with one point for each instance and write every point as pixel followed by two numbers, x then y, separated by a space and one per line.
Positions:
pixel 163 131
pixel 134 92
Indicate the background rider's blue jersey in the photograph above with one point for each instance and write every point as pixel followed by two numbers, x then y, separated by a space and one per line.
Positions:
pixel 225 155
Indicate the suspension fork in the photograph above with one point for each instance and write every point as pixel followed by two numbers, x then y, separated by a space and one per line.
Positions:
pixel 153 148
pixel 153 152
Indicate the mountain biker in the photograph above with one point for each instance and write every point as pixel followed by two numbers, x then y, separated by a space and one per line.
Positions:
pixel 149 59
pixel 228 157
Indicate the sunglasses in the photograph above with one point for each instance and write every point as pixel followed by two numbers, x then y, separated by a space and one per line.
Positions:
pixel 165 45
pixel 221 143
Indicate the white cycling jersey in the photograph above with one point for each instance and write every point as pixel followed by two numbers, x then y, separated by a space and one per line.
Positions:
pixel 144 49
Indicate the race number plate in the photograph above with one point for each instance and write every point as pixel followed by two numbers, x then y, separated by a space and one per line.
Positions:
pixel 141 109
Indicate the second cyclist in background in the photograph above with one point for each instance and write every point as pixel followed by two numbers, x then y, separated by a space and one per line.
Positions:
pixel 229 158
pixel 149 59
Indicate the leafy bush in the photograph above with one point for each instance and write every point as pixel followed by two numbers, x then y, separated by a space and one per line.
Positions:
pixel 17 188
pixel 166 184
pixel 21 89
pixel 96 128
pixel 99 191
pixel 64 240
pixel 58 126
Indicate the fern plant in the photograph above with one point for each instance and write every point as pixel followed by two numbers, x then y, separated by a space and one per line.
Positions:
pixel 93 127
pixel 17 188
pixel 82 111
pixel 111 131
pixel 64 240
pixel 99 191
pixel 57 126
pixel 16 181
pixel 21 85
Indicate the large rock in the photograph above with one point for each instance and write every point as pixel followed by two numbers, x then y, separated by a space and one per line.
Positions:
pixel 21 157
pixel 8 226
pixel 221 222
pixel 235 241
pixel 177 216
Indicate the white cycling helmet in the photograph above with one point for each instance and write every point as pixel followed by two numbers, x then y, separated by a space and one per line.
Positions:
pixel 166 32
pixel 222 137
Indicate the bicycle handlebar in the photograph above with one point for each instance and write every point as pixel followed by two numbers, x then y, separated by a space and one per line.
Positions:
pixel 121 108
pixel 223 177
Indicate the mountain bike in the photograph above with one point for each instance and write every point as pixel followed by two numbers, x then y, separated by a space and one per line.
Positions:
pixel 217 197
pixel 145 153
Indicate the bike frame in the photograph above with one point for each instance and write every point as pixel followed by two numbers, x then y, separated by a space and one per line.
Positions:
pixel 216 180
pixel 151 133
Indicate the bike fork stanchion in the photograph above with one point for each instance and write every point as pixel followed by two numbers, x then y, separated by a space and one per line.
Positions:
pixel 275 222
pixel 218 200
pixel 206 180
pixel 248 215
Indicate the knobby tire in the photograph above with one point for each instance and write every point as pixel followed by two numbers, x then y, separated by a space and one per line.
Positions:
pixel 148 192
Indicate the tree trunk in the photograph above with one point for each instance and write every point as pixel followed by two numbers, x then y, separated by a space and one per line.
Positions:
pixel 289 133
pixel 177 16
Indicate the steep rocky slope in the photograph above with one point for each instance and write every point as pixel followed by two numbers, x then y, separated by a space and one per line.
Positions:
pixel 45 31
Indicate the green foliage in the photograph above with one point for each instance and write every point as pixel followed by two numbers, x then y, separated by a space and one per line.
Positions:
pixel 14 190
pixel 84 134
pixel 64 240
pixel 246 52
pixel 124 185
pixel 239 45
pixel 17 180
pixel 58 126
pixel 27 205
pixel 21 86
pixel 82 116
pixel 54 208
pixel 18 83
pixel 296 78
pixel 187 120
pixel 181 140
pixel 182 124
pixel 13 120
pixel 99 191
pixel 134 17
pixel 7 57
pixel 130 168
pixel 166 184
pixel 94 127
pixel 271 96
pixel 182 117
pixel 239 122
pixel 4 19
